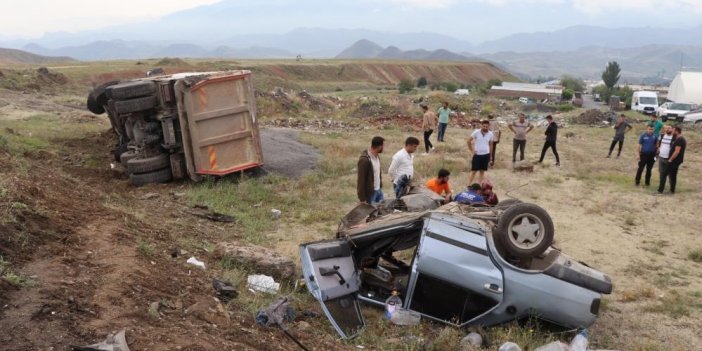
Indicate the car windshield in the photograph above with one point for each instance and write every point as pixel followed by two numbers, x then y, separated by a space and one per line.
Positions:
pixel 684 107
pixel 648 100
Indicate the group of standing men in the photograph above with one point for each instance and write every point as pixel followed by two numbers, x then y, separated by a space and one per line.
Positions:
pixel 668 147
pixel 482 143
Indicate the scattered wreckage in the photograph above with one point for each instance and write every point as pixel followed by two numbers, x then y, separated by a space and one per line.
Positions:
pixel 182 125
pixel 456 264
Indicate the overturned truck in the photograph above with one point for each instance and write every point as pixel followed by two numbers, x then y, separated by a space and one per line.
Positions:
pixel 180 126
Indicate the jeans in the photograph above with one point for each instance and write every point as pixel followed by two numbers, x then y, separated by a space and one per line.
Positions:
pixel 645 160
pixel 552 145
pixel 493 151
pixel 427 143
pixel 376 197
pixel 442 131
pixel 617 139
pixel 668 170
pixel 400 185
pixel 518 144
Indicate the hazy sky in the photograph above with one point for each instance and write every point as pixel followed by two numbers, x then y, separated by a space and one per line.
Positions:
pixel 474 20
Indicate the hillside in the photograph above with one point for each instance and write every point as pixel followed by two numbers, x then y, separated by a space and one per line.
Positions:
pixel 14 56
pixel 637 63
pixel 382 72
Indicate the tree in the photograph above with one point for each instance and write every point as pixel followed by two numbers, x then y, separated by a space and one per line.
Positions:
pixel 572 83
pixel 567 94
pixel 610 76
pixel 450 87
pixel 405 86
pixel 421 82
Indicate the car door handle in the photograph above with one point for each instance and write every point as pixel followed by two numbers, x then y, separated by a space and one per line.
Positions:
pixel 493 288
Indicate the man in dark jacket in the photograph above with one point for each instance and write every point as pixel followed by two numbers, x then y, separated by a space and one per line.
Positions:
pixel 370 182
pixel 551 135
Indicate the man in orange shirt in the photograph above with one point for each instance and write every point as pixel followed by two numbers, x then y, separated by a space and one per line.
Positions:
pixel 440 184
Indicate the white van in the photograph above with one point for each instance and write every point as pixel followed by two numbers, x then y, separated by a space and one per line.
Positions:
pixel 645 102
pixel 462 92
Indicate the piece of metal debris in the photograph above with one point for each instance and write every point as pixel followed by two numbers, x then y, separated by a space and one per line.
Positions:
pixel 113 342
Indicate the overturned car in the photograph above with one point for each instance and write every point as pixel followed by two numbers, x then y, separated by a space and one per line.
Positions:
pixel 457 264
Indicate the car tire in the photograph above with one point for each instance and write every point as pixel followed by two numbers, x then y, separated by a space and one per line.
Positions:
pixel 126 156
pixel 130 90
pixel 504 204
pixel 135 105
pixel 97 98
pixel 160 176
pixel 148 164
pixel 525 230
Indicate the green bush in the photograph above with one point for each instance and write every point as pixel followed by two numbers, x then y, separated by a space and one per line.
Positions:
pixel 566 108
pixel 567 94
pixel 421 82
pixel 405 86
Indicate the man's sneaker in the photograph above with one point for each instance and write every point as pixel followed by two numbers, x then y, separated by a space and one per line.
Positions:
pixel 608 156
pixel 617 156
pixel 658 193
pixel 425 153
pixel 558 164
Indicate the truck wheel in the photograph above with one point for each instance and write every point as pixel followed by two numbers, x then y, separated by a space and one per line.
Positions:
pixel 160 176
pixel 97 98
pixel 148 164
pixel 525 230
pixel 130 90
pixel 135 105
pixel 126 156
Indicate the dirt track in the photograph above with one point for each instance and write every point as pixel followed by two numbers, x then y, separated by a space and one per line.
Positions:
pixel 284 153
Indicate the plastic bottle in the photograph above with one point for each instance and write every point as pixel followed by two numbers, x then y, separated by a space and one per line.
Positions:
pixel 579 342
pixel 392 303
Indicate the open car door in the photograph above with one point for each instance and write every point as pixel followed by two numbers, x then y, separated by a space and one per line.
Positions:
pixel 332 279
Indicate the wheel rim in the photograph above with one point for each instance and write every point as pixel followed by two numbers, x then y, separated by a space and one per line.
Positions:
pixel 526 231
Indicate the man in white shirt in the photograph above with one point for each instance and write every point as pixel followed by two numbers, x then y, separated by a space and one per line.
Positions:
pixel 665 142
pixel 402 166
pixel 480 145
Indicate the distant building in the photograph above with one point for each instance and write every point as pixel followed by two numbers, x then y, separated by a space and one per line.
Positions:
pixel 534 91
pixel 686 88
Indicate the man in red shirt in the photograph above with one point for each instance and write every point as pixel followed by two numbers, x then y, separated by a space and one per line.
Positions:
pixel 440 184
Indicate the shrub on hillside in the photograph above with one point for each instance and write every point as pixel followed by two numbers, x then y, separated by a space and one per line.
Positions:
pixel 405 86
pixel 421 82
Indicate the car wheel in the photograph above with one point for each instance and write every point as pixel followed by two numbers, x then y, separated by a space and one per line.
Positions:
pixel 135 105
pixel 160 176
pixel 130 90
pixel 504 204
pixel 148 164
pixel 97 98
pixel 525 230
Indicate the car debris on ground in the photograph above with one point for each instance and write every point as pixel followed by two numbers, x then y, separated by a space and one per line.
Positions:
pixel 113 342
pixel 262 283
pixel 203 211
pixel 195 262
pixel 224 291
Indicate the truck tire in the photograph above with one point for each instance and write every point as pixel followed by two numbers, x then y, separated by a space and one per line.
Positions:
pixel 130 90
pixel 148 164
pixel 160 176
pixel 525 230
pixel 135 105
pixel 97 98
pixel 126 156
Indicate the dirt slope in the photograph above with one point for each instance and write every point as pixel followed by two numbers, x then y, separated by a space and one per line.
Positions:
pixel 11 56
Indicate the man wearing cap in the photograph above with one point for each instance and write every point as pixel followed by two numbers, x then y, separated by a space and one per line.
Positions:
pixel 480 145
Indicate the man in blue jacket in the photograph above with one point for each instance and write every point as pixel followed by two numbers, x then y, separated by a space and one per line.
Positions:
pixel 646 154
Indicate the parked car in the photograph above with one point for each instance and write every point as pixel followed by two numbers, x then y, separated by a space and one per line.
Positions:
pixel 457 264
pixel 693 117
pixel 524 100
pixel 182 125
pixel 597 97
pixel 461 92
pixel 674 111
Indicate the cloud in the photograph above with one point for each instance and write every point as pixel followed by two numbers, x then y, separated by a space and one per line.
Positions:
pixel 425 3
pixel 595 7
